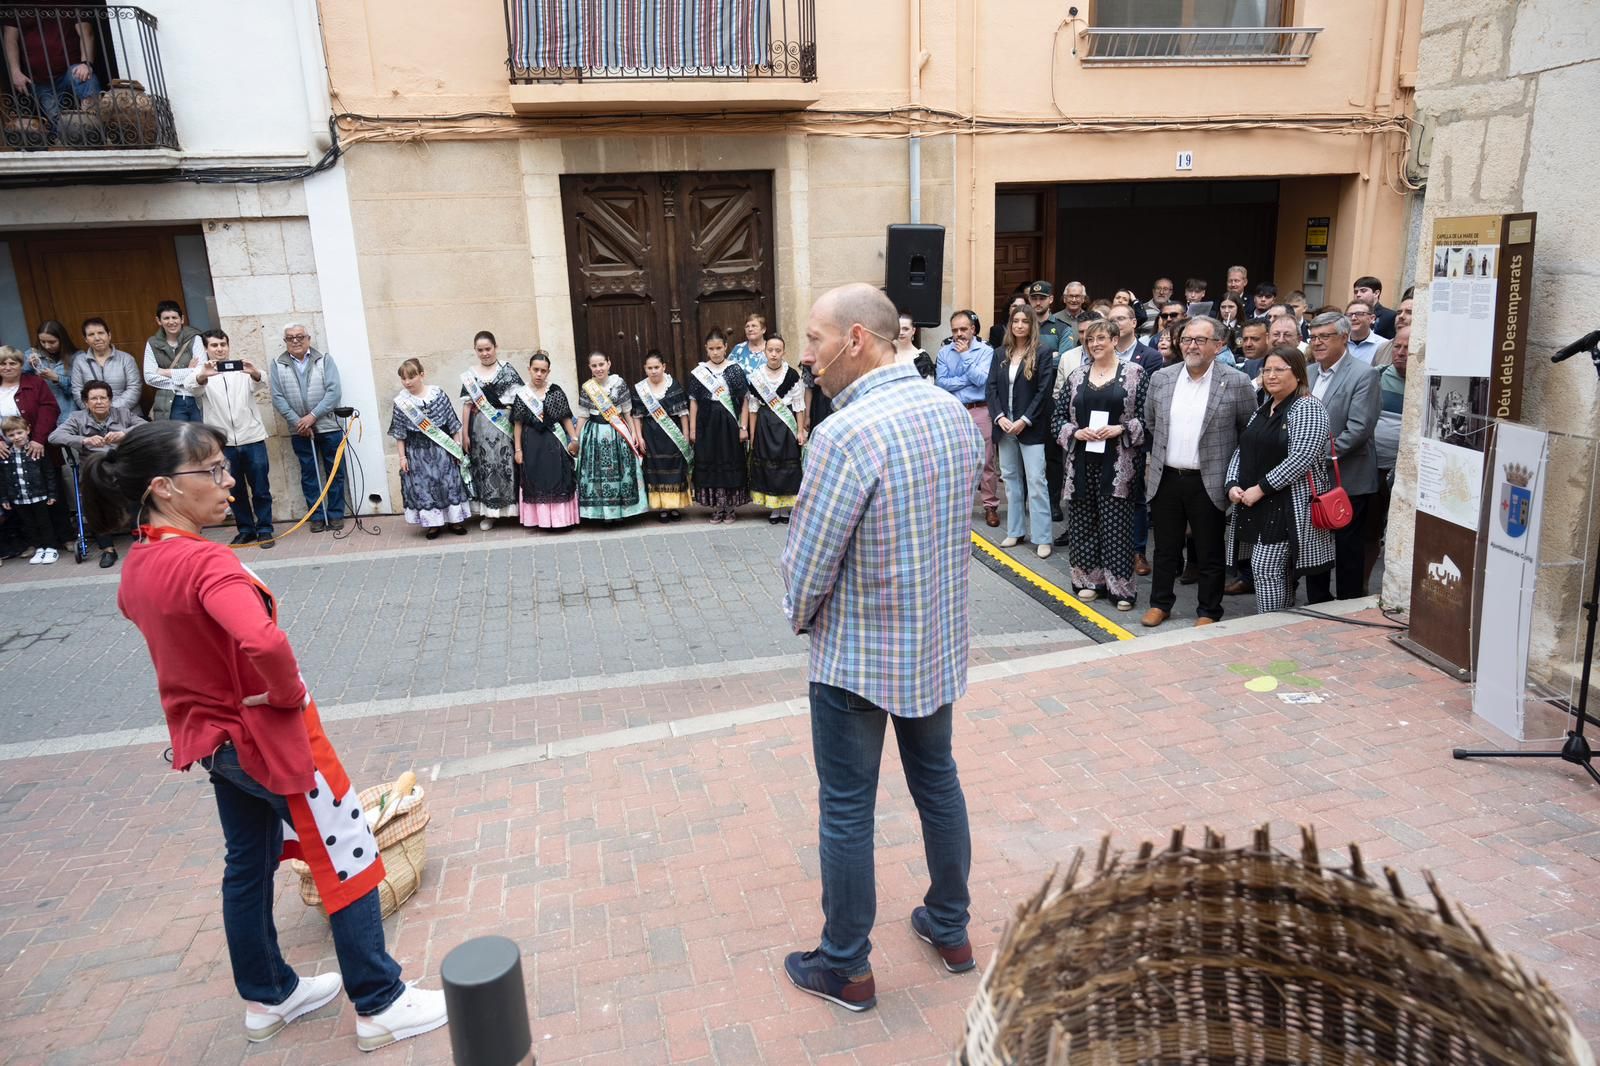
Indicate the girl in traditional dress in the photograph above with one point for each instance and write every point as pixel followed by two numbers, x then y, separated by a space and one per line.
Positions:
pixel 432 482
pixel 546 441
pixel 486 391
pixel 610 483
pixel 750 354
pixel 775 422
pixel 661 423
pixel 716 429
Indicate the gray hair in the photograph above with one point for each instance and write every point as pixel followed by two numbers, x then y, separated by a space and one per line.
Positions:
pixel 1218 330
pixel 1335 319
pixel 287 326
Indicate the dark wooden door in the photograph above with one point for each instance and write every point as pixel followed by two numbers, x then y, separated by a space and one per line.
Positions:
pixel 657 260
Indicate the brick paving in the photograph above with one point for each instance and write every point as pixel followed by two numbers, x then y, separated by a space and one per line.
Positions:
pixel 655 886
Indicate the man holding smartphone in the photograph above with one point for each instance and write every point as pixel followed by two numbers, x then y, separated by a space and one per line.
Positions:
pixel 225 387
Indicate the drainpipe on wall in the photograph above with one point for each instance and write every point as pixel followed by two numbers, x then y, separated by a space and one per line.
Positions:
pixel 313 73
pixel 918 60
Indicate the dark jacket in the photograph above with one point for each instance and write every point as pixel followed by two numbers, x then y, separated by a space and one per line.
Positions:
pixel 41 475
pixel 1383 321
pixel 38 405
pixel 1028 398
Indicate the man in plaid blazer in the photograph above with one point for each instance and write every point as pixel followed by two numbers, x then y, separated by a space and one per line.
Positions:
pixel 1194 412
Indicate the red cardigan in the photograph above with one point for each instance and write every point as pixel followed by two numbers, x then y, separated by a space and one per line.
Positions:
pixel 214 639
pixel 38 405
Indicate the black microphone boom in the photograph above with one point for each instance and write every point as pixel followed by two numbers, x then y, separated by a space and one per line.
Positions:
pixel 1586 343
pixel 346 412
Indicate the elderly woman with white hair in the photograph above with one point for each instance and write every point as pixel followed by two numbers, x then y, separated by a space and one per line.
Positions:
pixel 305 390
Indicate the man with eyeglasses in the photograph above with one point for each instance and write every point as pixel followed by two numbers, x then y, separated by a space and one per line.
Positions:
pixel 1369 290
pixel 1362 343
pixel 1160 293
pixel 1348 389
pixel 305 390
pixel 1194 412
pixel 226 389
pixel 95 427
pixel 962 369
pixel 1125 340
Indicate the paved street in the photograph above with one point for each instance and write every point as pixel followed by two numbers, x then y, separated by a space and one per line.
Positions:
pixel 642 820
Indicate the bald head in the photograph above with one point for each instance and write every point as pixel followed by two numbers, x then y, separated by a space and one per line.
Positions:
pixel 861 304
pixel 851 331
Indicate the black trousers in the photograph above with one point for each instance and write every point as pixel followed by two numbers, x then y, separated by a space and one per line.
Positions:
pixel 1349 573
pixel 33 520
pixel 1182 502
pixel 1054 472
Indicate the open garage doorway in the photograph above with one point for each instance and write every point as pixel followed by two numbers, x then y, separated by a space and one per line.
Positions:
pixel 1110 235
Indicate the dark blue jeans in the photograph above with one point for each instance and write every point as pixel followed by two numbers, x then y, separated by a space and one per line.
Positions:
pixel 847 744
pixel 332 509
pixel 185 409
pixel 51 94
pixel 252 825
pixel 252 492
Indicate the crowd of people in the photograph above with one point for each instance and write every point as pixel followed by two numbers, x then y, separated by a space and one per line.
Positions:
pixel 1209 427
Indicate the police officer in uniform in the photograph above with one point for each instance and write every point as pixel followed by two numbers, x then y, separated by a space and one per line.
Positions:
pixel 1055 337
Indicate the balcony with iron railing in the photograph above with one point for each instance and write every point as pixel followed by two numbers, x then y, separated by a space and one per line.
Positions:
pixel 83 87
pixel 671 55
pixel 1161 46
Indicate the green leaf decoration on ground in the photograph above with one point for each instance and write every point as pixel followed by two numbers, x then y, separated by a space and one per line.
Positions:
pixel 1281 672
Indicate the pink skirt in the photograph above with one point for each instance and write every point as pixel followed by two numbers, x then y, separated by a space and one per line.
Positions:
pixel 550 515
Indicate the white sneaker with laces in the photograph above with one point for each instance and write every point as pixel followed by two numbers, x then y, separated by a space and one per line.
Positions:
pixel 263 1022
pixel 417 1011
pixel 38 557
pixel 50 556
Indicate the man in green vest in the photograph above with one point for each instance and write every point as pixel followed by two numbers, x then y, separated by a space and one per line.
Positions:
pixel 171 356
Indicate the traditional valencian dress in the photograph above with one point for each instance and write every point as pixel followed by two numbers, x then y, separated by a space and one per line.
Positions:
pixel 549 475
pixel 432 486
pixel 775 450
pixel 494 482
pixel 667 452
pixel 721 475
pixel 610 483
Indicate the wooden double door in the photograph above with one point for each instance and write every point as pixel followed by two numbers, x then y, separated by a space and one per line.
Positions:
pixel 657 260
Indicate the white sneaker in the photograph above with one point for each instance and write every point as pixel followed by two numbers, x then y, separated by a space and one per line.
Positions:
pixel 417 1011
pixel 38 557
pixel 1011 542
pixel 263 1022
pixel 486 524
pixel 50 556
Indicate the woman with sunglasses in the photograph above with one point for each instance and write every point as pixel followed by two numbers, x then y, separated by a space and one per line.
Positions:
pixel 1270 524
pixel 235 704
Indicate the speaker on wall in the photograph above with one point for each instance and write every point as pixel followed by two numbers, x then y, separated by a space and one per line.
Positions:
pixel 914 264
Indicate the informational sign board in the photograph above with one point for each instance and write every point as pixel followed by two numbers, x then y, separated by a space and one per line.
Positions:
pixel 1472 358
pixel 1317 235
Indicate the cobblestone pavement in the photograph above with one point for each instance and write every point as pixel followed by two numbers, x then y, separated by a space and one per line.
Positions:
pixel 652 848
pixel 480 616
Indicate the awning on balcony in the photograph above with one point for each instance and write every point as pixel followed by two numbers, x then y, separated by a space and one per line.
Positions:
pixel 639 36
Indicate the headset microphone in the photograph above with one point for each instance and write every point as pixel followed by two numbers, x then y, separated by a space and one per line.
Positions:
pixel 820 371
pixel 230 499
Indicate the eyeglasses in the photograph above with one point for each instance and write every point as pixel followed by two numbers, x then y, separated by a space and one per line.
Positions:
pixel 1172 314
pixel 1186 341
pixel 218 472
pixel 1275 370
pixel 1322 338
pixel 297 336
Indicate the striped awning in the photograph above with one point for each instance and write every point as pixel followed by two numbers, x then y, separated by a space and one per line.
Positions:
pixel 639 36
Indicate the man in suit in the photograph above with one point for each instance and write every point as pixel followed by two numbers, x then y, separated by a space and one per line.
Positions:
pixel 1369 290
pixel 1193 413
pixel 1124 327
pixel 1349 390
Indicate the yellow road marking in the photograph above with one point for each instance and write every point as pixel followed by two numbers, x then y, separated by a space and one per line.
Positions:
pixel 1054 591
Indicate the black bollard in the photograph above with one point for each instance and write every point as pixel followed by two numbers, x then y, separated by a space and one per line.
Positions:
pixel 488 1006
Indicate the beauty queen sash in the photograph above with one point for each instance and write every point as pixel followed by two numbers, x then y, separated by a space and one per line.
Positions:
pixel 774 402
pixel 668 424
pixel 407 405
pixel 609 411
pixel 536 405
pixel 474 388
pixel 717 387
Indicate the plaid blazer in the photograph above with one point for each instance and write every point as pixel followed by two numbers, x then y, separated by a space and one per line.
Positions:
pixel 1229 405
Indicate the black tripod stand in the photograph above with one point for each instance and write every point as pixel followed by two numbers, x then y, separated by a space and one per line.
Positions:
pixel 1576 748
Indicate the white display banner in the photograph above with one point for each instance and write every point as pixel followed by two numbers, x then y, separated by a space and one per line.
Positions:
pixel 1510 570
pixel 1449 482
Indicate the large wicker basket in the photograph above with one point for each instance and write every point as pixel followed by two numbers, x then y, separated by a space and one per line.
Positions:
pixel 402 843
pixel 1215 956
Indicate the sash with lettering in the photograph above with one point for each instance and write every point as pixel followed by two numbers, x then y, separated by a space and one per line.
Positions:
pixel 774 402
pixel 536 405
pixel 474 387
pixel 668 424
pixel 609 411
pixel 408 405
pixel 717 387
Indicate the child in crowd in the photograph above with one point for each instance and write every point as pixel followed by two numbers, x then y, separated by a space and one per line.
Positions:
pixel 775 422
pixel 433 476
pixel 717 390
pixel 28 489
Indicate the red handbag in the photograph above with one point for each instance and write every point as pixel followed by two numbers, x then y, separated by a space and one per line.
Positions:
pixel 1332 509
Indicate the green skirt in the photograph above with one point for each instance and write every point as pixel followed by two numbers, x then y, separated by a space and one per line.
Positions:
pixel 610 480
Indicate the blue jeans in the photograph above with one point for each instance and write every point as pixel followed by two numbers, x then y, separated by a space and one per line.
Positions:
pixel 50 95
pixel 847 745
pixel 252 495
pixel 252 826
pixel 185 409
pixel 1015 459
pixel 332 509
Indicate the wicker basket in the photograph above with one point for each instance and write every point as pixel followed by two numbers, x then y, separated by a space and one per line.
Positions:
pixel 1248 955
pixel 402 844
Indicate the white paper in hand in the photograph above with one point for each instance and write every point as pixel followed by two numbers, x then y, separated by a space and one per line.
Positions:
pixel 1098 420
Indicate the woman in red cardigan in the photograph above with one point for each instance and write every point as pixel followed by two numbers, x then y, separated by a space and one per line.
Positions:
pixel 29 396
pixel 235 703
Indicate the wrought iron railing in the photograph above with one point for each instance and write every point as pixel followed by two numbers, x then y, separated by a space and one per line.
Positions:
pixel 82 77
pixel 671 40
pixel 1229 46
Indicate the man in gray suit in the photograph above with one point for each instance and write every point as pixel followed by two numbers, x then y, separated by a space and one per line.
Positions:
pixel 1193 413
pixel 1348 389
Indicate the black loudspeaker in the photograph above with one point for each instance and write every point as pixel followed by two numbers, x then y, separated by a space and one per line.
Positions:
pixel 914 267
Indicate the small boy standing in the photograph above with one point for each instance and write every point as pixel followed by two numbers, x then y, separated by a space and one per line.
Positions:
pixel 28 489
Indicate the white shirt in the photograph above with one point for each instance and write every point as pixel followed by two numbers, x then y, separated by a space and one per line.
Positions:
pixel 1325 379
pixel 228 402
pixel 8 402
pixel 1186 418
pixel 179 378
